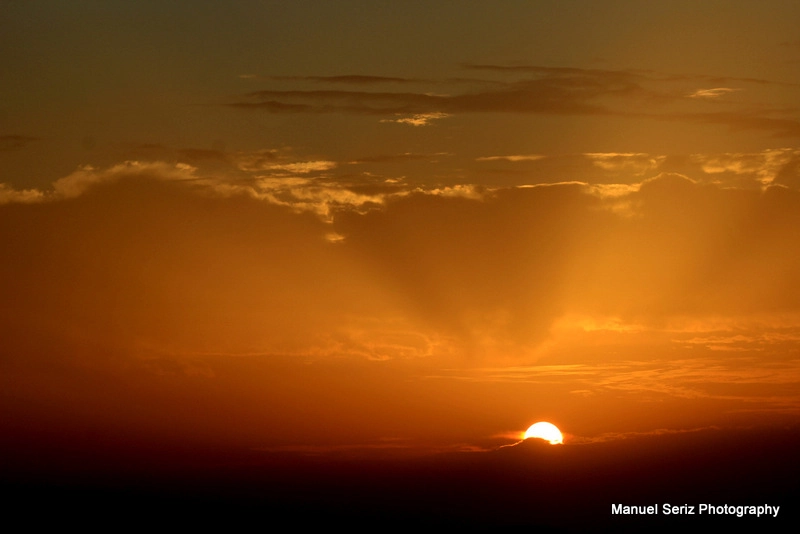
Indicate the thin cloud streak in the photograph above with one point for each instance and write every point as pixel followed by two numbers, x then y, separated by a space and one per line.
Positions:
pixel 547 90
pixel 515 157
pixel 350 79
pixel 687 379
pixel 716 92
pixel 615 436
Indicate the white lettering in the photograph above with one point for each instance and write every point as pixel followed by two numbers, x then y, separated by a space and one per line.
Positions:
pixel 634 510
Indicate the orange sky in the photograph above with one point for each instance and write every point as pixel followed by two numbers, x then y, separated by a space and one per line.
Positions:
pixel 359 225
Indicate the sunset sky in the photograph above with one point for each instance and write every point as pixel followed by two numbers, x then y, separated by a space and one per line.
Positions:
pixel 401 226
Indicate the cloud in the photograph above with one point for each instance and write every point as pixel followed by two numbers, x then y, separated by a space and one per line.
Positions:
pixel 258 160
pixel 614 436
pixel 613 191
pixel 458 191
pixel 744 120
pixel 546 90
pixel 14 142
pixel 542 90
pixel 639 164
pixel 87 176
pixel 303 167
pixel 766 167
pixel 11 195
pixel 682 248
pixel 304 195
pixel 561 72
pixel 352 79
pixel 136 286
pixel 129 259
pixel 321 101
pixel 716 92
pixel 516 157
pixel 679 248
pixel 609 172
pixel 277 161
pixel 421 119
pixel 737 378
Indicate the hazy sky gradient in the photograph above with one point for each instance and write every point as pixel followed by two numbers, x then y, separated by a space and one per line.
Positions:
pixel 331 223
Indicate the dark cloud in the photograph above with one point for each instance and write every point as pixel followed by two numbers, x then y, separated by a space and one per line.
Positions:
pixel 560 72
pixel 547 90
pixel 274 106
pixel 541 90
pixel 525 97
pixel 353 79
pixel 777 127
pixel 340 101
pixel 13 142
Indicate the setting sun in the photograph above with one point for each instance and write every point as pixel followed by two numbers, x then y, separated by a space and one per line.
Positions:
pixel 546 431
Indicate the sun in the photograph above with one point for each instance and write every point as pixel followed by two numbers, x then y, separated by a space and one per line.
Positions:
pixel 546 431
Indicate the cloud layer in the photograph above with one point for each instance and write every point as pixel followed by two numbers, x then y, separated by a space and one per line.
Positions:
pixel 667 247
pixel 542 90
pixel 185 290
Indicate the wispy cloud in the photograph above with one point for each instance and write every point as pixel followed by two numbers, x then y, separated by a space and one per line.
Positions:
pixel 87 176
pixel 513 157
pixel 10 195
pixel 304 167
pixel 614 436
pixel 420 119
pixel 716 92
pixel 768 166
pixel 637 163
pixel 700 378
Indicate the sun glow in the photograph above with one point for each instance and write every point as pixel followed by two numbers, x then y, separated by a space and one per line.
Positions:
pixel 546 431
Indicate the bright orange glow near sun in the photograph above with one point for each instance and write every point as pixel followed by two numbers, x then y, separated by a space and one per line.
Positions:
pixel 546 431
